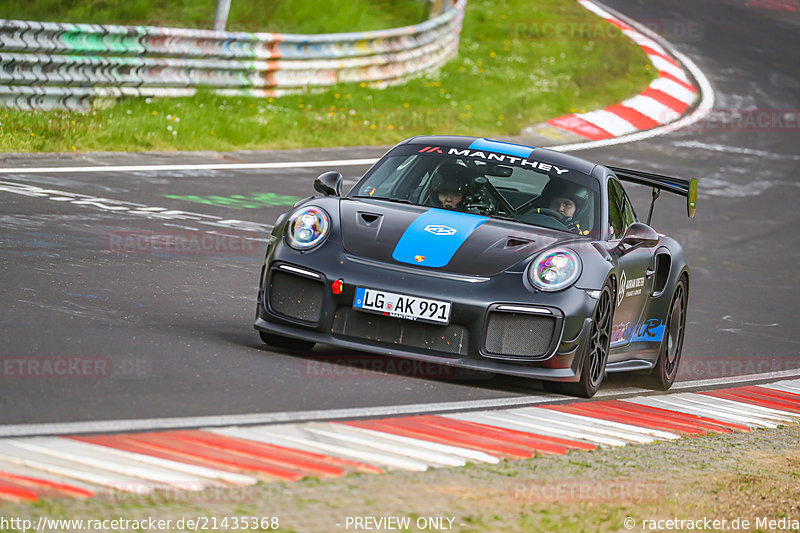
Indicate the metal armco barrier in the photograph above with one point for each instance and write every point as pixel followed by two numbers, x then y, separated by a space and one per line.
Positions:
pixel 58 65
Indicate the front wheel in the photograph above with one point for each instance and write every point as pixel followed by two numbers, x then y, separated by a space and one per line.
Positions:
pixel 669 355
pixel 593 366
pixel 287 343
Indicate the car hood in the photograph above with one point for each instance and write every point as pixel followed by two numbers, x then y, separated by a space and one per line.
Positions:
pixel 439 239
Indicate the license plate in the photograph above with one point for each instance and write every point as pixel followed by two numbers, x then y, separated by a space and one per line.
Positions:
pixel 402 306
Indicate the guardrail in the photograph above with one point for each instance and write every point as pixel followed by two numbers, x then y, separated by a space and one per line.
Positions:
pixel 59 65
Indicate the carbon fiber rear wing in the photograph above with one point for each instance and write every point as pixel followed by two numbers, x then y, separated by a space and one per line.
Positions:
pixel 679 186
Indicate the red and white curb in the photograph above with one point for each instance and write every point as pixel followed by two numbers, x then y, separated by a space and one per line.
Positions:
pixel 663 102
pixel 234 456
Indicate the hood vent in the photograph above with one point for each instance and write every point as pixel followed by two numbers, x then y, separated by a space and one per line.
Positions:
pixel 368 219
pixel 515 242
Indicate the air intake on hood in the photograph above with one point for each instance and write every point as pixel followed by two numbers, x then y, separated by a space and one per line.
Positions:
pixel 368 219
pixel 513 242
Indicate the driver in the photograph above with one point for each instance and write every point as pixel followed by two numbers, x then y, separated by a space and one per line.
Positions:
pixel 449 188
pixel 564 205
pixel 566 199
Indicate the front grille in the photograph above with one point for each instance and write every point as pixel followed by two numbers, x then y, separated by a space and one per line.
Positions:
pixel 519 334
pixel 295 296
pixel 451 339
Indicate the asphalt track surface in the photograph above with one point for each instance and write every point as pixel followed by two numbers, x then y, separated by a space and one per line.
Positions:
pixel 170 334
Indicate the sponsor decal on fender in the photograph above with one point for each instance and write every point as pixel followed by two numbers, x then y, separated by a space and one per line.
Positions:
pixel 651 330
pixel 629 287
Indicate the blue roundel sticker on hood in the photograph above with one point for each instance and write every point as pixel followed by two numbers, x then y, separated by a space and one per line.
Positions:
pixel 435 236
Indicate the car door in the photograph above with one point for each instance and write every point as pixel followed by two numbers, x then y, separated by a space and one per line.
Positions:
pixel 633 285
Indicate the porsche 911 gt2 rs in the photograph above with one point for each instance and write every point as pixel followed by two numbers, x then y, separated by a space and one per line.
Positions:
pixel 483 255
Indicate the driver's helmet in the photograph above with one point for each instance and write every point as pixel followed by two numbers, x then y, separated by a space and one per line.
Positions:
pixel 565 189
pixel 449 178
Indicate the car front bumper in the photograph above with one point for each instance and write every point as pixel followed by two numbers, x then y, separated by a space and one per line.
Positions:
pixel 497 324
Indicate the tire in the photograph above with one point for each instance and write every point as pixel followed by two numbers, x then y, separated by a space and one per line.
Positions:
pixel 287 343
pixel 593 366
pixel 669 354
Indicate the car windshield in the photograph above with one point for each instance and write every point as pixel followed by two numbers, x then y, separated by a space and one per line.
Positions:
pixel 525 191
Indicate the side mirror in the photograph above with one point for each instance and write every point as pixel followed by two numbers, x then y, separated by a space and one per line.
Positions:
pixel 329 183
pixel 639 234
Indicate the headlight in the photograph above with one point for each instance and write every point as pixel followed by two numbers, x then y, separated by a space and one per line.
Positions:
pixel 555 270
pixel 307 228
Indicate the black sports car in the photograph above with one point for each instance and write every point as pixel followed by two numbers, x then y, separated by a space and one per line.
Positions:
pixel 483 255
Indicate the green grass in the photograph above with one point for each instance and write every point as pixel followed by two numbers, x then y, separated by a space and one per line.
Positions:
pixel 284 16
pixel 511 71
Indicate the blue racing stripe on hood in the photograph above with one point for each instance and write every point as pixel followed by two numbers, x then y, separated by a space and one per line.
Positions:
pixel 435 236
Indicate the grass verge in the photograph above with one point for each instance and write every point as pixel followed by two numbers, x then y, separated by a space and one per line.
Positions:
pixel 280 16
pixel 519 64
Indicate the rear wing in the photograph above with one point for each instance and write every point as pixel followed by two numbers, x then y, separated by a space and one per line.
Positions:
pixel 679 186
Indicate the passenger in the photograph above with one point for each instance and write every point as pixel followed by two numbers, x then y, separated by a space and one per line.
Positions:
pixel 566 199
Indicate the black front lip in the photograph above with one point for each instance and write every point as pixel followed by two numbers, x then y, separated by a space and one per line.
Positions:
pixel 568 373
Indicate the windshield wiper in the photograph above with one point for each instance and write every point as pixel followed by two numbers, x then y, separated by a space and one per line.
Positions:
pixel 397 200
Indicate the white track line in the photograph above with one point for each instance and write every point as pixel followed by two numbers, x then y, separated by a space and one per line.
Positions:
pixel 735 380
pixel 205 166
pixel 792 387
pixel 781 388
